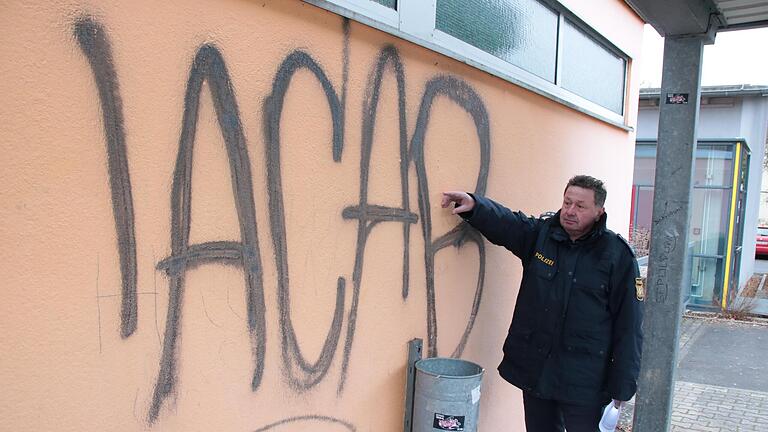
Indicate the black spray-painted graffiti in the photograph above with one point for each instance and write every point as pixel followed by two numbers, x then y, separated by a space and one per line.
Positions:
pixel 209 66
pixel 95 45
pixel 463 95
pixel 370 215
pixel 307 422
pixel 300 373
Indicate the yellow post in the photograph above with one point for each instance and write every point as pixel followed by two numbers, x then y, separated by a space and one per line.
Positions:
pixel 732 218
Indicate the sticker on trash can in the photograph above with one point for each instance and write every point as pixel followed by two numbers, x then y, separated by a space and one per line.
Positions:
pixel 475 395
pixel 448 422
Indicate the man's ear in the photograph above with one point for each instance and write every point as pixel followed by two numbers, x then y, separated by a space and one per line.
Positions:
pixel 600 213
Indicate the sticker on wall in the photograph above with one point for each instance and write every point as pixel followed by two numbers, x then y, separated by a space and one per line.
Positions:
pixel 677 98
pixel 448 422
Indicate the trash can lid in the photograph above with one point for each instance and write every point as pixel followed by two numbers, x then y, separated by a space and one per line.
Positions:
pixel 449 367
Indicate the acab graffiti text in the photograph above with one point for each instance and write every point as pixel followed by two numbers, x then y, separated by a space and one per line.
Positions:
pixel 209 66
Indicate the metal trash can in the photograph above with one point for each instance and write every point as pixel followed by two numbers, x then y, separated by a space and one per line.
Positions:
pixel 446 395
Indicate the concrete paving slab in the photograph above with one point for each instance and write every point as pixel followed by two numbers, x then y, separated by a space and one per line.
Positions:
pixel 722 378
pixel 728 355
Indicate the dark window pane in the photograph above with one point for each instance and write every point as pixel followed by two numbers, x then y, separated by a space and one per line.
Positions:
pixel 521 32
pixel 592 71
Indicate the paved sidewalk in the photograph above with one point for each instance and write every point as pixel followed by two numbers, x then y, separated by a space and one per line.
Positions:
pixel 722 378
pixel 702 407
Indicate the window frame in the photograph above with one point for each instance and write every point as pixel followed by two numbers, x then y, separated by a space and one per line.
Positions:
pixel 599 40
pixel 414 21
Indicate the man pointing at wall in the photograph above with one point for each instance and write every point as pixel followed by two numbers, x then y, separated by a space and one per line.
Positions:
pixel 574 342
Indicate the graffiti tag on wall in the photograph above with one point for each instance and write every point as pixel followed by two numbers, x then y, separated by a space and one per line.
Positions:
pixel 209 66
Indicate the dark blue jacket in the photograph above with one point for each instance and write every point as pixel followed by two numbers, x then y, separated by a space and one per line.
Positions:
pixel 575 334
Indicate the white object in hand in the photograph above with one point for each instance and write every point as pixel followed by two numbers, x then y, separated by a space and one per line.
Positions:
pixel 610 418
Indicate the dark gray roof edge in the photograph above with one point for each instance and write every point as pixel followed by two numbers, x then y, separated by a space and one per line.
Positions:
pixel 724 90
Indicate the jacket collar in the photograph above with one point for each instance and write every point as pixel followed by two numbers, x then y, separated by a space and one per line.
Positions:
pixel 559 234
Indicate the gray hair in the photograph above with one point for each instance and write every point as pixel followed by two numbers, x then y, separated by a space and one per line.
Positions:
pixel 589 182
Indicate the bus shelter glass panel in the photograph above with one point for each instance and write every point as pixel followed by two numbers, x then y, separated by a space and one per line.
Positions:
pixel 708 237
pixel 706 280
pixel 714 165
pixel 710 213
pixel 709 221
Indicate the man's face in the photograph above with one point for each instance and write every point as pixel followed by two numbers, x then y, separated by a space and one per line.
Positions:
pixel 579 211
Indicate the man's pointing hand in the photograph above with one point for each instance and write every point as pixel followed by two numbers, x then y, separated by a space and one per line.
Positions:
pixel 463 201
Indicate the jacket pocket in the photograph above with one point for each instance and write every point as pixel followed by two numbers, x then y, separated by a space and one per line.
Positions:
pixel 546 272
pixel 590 294
pixel 520 359
pixel 519 346
pixel 589 350
pixel 518 338
pixel 595 280
pixel 585 365
pixel 585 357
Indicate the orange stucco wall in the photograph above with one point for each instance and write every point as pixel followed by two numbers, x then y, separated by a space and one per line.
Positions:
pixel 147 286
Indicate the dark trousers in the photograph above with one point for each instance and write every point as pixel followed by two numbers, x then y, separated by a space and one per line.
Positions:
pixel 544 415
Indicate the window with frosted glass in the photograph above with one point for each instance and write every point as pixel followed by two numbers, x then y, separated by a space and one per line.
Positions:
pixel 591 70
pixel 392 4
pixel 521 32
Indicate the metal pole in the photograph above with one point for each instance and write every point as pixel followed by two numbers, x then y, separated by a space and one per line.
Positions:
pixel 669 269
pixel 414 355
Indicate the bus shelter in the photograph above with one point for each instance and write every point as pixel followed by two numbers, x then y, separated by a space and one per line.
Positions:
pixel 720 172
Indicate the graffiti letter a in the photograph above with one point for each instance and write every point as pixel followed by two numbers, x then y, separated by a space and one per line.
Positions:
pixel 209 66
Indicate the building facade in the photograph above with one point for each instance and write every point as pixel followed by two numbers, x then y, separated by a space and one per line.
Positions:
pixel 732 126
pixel 225 215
